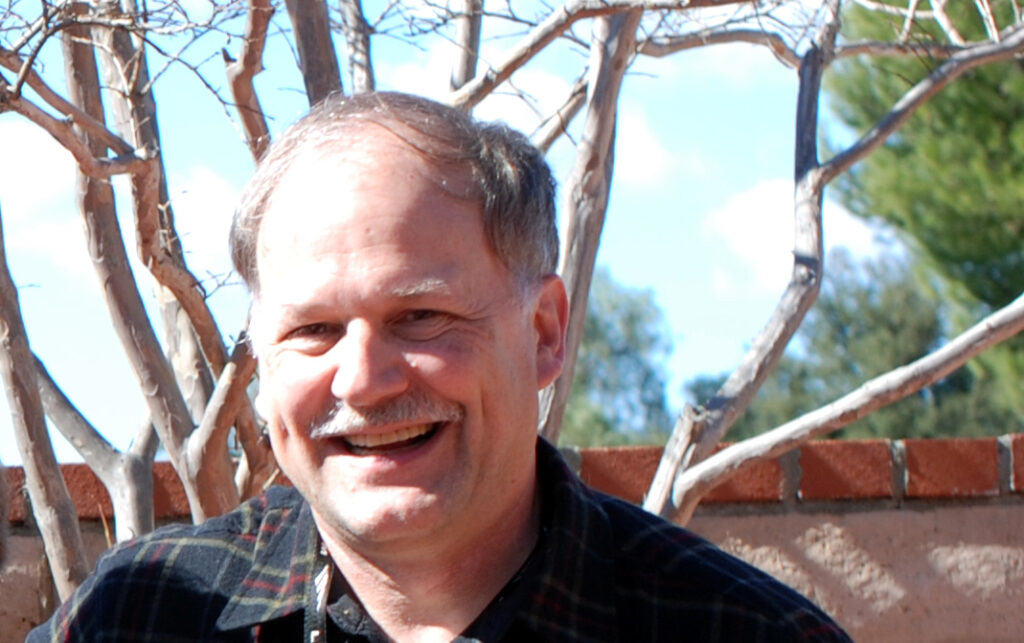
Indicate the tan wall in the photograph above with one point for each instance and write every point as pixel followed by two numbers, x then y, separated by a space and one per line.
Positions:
pixel 951 573
pixel 945 573
pixel 27 594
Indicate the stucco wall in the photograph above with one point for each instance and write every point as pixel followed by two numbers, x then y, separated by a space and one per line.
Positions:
pixel 940 573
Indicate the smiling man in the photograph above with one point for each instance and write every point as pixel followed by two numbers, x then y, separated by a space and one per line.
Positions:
pixel 406 312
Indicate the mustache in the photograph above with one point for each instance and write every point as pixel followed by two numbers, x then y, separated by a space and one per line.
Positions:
pixel 414 407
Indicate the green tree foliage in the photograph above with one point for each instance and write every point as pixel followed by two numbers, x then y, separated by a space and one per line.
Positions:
pixel 951 177
pixel 618 394
pixel 869 319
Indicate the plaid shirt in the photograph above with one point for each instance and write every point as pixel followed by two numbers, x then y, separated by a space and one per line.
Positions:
pixel 603 570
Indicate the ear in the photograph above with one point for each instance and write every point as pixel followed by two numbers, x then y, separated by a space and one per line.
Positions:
pixel 550 318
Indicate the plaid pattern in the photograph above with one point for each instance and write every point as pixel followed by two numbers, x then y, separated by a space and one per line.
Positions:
pixel 604 570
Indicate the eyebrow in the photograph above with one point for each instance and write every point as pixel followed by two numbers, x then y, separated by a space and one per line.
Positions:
pixel 428 286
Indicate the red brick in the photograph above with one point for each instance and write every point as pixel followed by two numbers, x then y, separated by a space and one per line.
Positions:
pixel 760 482
pixel 960 467
pixel 169 499
pixel 18 510
pixel 846 470
pixel 1017 451
pixel 87 492
pixel 625 472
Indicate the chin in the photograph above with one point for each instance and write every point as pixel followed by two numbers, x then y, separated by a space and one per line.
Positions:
pixel 384 515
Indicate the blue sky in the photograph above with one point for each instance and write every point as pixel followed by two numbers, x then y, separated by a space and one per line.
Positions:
pixel 700 211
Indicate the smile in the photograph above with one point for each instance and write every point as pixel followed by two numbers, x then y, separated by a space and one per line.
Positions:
pixel 369 444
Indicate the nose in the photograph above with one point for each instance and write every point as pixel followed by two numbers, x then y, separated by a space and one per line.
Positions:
pixel 368 370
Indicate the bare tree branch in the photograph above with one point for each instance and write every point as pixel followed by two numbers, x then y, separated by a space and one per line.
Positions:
pixel 872 395
pixel 960 62
pixel 660 46
pixel 550 28
pixel 93 447
pixel 614 42
pixel 558 123
pixel 226 404
pixel 207 447
pixel 87 123
pixel 895 10
pixel 909 48
pixel 467 41
pixel 317 59
pixel 146 441
pixel 942 18
pixel 161 253
pixel 357 39
pixel 988 19
pixel 699 431
pixel 128 477
pixel 51 504
pixel 241 72
pixel 908 22
pixel 63 132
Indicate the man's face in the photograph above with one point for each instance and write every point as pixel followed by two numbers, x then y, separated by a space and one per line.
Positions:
pixel 399 359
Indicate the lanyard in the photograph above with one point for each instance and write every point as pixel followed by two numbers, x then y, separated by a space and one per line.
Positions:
pixel 315 621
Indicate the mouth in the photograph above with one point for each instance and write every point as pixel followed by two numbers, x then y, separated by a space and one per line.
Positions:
pixel 384 443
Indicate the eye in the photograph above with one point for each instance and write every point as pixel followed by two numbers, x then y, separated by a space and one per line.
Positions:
pixel 421 324
pixel 316 336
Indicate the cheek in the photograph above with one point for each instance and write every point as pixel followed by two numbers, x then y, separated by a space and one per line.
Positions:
pixel 292 388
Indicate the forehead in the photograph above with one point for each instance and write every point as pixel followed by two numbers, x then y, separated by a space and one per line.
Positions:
pixel 374 171
pixel 376 205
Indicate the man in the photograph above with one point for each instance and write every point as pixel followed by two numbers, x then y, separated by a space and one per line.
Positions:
pixel 401 259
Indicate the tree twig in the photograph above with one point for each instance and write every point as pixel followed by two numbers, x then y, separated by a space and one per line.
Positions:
pixel 467 43
pixel 554 25
pixel 557 124
pixel 241 72
pixel 660 46
pixel 357 40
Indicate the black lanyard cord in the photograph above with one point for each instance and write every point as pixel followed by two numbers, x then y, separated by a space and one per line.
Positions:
pixel 315 621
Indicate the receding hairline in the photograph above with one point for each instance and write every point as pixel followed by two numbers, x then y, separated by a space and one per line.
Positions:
pixel 506 174
pixel 454 179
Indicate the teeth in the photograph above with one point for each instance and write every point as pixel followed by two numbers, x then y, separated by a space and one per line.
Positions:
pixel 382 439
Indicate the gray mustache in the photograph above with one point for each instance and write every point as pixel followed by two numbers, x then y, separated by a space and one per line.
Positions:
pixel 414 407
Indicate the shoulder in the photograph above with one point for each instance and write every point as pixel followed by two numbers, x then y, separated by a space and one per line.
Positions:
pixel 666 575
pixel 176 576
pixel 190 549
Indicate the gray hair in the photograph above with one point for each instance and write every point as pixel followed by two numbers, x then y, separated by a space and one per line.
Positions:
pixel 508 175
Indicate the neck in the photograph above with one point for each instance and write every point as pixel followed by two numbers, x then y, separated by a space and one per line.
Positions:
pixel 426 591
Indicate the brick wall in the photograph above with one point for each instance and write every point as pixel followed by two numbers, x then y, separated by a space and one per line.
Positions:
pixel 839 470
pixel 900 540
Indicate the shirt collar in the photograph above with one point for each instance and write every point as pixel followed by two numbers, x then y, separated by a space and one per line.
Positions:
pixel 571 585
pixel 284 557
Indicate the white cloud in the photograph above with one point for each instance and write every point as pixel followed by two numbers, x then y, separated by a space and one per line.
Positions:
pixel 37 175
pixel 426 75
pixel 739 65
pixel 204 204
pixel 641 159
pixel 62 243
pixel 756 228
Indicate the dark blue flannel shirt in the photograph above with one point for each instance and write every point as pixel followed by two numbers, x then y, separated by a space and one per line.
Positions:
pixel 603 570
